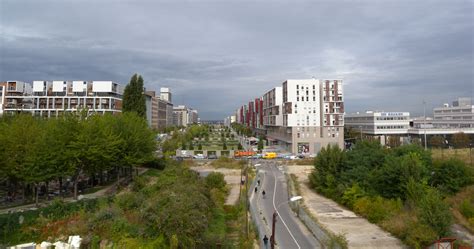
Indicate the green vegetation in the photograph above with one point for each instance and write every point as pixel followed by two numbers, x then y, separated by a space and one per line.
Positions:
pixel 36 151
pixel 134 97
pixel 401 189
pixel 161 209
pixel 224 162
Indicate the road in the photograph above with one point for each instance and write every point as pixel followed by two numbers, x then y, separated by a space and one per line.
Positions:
pixel 290 231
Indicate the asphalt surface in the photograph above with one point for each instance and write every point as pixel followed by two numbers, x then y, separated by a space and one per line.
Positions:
pixel 290 232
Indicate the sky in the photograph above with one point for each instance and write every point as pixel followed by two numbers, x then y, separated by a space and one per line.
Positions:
pixel 217 55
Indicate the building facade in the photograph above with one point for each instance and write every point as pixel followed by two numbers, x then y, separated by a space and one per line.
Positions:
pixel 459 115
pixel 51 98
pixel 381 125
pixel 300 116
pixel 184 116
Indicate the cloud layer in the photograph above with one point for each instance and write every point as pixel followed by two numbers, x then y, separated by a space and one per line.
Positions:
pixel 215 56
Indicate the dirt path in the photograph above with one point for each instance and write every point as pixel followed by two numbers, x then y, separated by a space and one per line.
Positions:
pixel 359 232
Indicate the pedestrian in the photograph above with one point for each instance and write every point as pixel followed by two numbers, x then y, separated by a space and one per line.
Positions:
pixel 255 189
pixel 263 193
pixel 258 182
pixel 265 240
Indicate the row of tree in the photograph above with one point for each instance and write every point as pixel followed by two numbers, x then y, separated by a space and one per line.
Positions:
pixel 34 150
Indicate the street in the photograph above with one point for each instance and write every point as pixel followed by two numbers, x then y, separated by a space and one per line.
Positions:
pixel 290 231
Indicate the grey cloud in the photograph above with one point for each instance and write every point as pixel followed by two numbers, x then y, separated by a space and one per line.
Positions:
pixel 216 56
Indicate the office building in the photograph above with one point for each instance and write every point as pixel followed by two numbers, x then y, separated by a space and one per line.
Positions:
pixel 380 125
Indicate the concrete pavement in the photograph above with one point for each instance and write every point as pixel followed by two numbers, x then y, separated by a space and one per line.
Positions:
pixel 290 231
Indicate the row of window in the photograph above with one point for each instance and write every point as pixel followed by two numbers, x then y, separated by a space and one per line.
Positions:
pixel 392 127
pixel 392 118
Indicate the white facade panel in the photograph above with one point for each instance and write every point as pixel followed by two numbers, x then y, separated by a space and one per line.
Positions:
pixel 39 86
pixel 79 86
pixel 102 86
pixel 58 86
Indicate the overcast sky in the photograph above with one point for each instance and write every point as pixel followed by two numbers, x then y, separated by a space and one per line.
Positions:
pixel 216 56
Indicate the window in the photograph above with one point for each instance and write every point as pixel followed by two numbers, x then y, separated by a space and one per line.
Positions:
pixel 297 98
pixel 307 98
pixel 314 98
pixel 297 87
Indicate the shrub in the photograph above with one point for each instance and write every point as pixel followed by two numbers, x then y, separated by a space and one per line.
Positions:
pixel 435 213
pixel 215 180
pixel 352 194
pixel 467 209
pixel 128 201
pixel 451 175
pixel 376 209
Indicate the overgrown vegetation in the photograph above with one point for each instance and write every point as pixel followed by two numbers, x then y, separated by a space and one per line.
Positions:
pixel 400 189
pixel 172 209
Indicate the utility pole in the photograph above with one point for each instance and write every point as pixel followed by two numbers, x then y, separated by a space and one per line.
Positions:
pixel 272 238
pixel 424 120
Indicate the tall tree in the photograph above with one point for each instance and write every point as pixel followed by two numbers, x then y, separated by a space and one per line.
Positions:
pixel 134 97
pixel 460 140
pixel 436 141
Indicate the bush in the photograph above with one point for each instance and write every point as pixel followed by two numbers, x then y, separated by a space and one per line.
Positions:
pixel 451 175
pixel 376 209
pixel 352 194
pixel 467 209
pixel 435 213
pixel 215 180
pixel 128 201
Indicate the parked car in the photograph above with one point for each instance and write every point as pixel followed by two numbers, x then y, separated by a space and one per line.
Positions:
pixel 199 156
pixel 212 157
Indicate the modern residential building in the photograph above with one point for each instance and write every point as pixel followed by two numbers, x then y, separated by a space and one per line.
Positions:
pixel 380 125
pixel 157 110
pixel 51 98
pixel 3 89
pixel 165 95
pixel 301 116
pixel 183 116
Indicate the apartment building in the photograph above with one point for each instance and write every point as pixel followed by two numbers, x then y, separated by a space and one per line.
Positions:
pixel 51 98
pixel 184 116
pixel 380 125
pixel 301 116
pixel 3 89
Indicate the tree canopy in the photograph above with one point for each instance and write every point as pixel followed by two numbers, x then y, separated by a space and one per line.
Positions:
pixel 134 96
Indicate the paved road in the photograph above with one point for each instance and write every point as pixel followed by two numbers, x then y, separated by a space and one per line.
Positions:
pixel 290 232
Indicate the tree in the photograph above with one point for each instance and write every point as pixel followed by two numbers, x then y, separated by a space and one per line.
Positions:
pixel 199 146
pixel 191 146
pixel 134 97
pixel 436 141
pixel 460 140
pixel 451 175
pixel 328 168
pixel 260 144
pixel 394 141
pixel 239 146
pixel 224 146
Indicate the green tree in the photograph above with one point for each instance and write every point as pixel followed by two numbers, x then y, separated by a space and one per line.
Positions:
pixel 329 166
pixel 199 146
pixel 260 144
pixel 460 140
pixel 191 146
pixel 451 175
pixel 239 146
pixel 224 146
pixel 134 97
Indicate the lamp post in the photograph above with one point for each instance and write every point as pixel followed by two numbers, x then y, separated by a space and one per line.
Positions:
pixel 470 153
pixel 424 120
pixel 360 127
pixel 275 214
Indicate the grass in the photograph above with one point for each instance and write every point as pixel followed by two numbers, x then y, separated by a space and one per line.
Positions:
pixel 456 202
pixel 462 154
pixel 229 163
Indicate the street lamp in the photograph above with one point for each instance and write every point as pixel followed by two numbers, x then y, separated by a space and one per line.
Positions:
pixel 275 214
pixel 424 120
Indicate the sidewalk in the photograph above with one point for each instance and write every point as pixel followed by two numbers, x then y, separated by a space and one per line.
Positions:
pixel 359 232
pixel 99 193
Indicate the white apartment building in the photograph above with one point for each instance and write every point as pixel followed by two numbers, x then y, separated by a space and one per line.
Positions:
pixel 51 98
pixel 301 116
pixel 381 125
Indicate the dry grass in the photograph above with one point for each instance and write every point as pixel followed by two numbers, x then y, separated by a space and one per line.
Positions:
pixel 462 154
pixel 229 163
pixel 455 202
